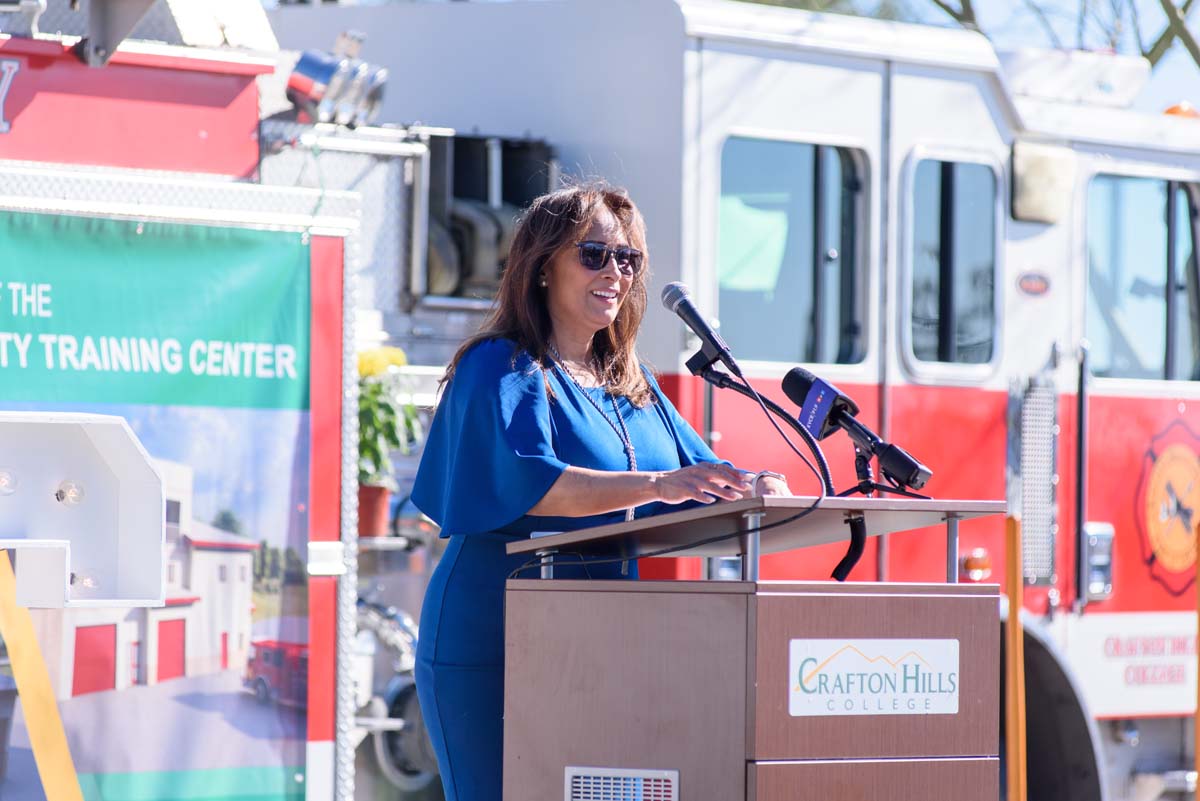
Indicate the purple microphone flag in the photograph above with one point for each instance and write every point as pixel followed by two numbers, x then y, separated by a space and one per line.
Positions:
pixel 817 405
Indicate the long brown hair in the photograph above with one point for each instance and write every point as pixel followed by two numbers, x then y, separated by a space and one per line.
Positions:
pixel 553 222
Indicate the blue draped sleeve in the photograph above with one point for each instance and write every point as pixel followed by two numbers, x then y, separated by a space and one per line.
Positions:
pixel 489 456
pixel 690 445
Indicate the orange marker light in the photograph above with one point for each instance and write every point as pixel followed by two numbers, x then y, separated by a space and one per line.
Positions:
pixel 1184 109
pixel 977 565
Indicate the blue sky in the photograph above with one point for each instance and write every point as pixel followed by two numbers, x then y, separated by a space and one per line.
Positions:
pixel 1010 24
pixel 244 460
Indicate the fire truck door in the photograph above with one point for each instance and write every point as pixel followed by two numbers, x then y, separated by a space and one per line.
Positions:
pixel 786 246
pixel 946 391
pixel 1134 559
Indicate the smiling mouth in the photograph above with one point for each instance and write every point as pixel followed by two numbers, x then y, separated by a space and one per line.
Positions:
pixel 604 294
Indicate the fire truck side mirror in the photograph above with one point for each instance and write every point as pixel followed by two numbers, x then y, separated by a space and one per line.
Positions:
pixel 81 511
pixel 1098 559
pixel 1043 181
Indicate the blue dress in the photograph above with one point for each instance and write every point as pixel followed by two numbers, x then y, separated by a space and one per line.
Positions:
pixel 497 443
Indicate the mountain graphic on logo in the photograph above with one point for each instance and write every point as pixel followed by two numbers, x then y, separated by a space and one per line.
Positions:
pixel 892 663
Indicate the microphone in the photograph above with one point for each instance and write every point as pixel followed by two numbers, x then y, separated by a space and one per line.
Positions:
pixel 824 408
pixel 677 299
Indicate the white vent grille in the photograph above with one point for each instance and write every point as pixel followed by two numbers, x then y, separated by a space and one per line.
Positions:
pixel 1039 429
pixel 616 784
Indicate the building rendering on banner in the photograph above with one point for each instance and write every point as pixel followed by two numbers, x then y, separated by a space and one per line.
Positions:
pixel 204 627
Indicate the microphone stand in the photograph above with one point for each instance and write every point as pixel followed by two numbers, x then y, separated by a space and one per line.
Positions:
pixel 866 486
pixel 701 364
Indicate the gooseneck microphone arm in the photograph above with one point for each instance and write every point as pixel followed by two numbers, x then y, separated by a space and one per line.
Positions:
pixel 726 381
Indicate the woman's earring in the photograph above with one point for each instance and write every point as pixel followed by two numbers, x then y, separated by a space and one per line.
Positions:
pixel 544 281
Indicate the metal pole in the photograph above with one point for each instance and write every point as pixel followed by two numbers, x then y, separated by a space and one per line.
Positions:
pixel 418 236
pixel 1081 477
pixel 751 522
pixel 1172 282
pixel 1014 668
pixel 547 558
pixel 816 352
pixel 887 302
pixel 952 549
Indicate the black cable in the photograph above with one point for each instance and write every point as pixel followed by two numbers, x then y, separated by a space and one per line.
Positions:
pixel 822 476
pixel 726 381
pixel 537 562
pixel 858 541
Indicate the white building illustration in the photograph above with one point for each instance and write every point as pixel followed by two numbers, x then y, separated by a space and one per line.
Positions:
pixel 204 627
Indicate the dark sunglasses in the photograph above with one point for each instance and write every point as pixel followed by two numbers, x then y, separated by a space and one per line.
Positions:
pixel 594 255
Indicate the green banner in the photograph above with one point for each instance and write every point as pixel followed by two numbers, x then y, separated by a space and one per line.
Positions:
pixel 96 310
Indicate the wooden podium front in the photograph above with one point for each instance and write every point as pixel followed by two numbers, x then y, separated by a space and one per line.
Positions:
pixel 746 690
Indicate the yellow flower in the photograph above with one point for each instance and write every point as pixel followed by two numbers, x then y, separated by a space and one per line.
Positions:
pixel 375 362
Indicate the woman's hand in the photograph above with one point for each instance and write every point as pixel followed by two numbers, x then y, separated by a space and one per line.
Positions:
pixel 770 485
pixel 704 482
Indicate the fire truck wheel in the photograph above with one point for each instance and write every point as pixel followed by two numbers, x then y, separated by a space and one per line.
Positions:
pixel 1062 741
pixel 406 757
pixel 262 692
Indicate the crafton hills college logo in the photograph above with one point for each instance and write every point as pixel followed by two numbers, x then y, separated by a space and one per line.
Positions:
pixel 1167 507
pixel 873 677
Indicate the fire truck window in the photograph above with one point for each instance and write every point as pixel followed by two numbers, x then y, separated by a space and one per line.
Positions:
pixel 1140 243
pixel 786 264
pixel 954 262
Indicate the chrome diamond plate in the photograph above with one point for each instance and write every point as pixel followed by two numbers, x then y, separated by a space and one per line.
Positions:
pixel 152 194
pixel 345 740
pixel 365 162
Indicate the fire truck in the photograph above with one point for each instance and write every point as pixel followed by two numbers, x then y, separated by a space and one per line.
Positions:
pixel 278 672
pixel 991 253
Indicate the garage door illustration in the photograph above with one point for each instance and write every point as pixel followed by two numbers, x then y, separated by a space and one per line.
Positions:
pixel 170 649
pixel 95 659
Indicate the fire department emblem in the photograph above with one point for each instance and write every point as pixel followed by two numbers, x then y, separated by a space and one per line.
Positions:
pixel 1168 507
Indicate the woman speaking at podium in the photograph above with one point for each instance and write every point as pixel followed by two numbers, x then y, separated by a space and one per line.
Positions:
pixel 548 422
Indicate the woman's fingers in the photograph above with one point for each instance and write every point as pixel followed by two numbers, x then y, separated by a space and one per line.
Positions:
pixel 705 482
pixel 725 475
pixel 707 493
pixel 732 475
pixel 717 481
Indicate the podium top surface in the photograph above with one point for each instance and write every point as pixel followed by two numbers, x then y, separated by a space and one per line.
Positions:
pixel 690 530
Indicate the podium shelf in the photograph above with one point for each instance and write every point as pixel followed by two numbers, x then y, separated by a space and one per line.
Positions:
pixel 825 525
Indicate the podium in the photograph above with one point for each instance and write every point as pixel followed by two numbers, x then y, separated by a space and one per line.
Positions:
pixel 750 690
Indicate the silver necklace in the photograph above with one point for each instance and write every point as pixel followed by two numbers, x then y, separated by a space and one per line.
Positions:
pixel 618 427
